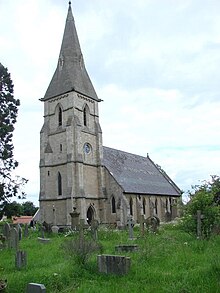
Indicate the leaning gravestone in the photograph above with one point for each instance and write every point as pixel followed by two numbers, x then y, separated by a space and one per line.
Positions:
pixel 35 288
pixel 14 239
pixel 113 264
pixel 20 259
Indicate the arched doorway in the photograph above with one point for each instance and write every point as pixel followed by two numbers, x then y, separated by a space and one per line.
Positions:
pixel 90 215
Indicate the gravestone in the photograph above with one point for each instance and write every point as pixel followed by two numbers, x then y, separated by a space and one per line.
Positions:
pixel 82 227
pixel 20 259
pixel 153 223
pixel 43 240
pixel 142 225
pixel 74 220
pixel 55 229
pixel 199 218
pixel 14 239
pixel 94 228
pixel 6 230
pixel 113 264
pixel 2 241
pixel 26 232
pixel 130 224
pixel 35 288
pixel 19 232
pixel 126 248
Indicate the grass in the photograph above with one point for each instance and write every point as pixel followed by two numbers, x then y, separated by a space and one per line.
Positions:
pixel 169 261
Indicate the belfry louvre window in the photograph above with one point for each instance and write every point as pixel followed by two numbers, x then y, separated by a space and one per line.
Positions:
pixel 59 183
pixel 85 115
pixel 60 117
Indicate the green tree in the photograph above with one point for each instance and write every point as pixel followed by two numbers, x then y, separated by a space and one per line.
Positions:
pixel 10 209
pixel 206 198
pixel 9 185
pixel 29 208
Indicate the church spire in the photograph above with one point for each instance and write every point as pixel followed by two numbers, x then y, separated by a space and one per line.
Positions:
pixel 70 73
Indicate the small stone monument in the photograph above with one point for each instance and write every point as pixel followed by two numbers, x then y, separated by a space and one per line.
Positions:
pixel 35 288
pixel 14 239
pixel 6 230
pixel 55 229
pixel 20 259
pixel 94 228
pixel 113 264
pixel 19 232
pixel 26 232
pixel 130 224
pixel 74 219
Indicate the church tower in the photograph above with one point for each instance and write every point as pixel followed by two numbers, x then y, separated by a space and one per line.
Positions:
pixel 71 176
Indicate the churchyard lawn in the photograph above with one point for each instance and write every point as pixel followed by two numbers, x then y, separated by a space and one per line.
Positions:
pixel 167 261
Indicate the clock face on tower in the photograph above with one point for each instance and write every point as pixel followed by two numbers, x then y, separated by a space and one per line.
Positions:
pixel 87 148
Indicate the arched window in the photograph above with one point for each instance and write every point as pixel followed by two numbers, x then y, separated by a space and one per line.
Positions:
pixel 131 206
pixel 113 205
pixel 60 117
pixel 59 185
pixel 85 115
pixel 155 207
pixel 144 206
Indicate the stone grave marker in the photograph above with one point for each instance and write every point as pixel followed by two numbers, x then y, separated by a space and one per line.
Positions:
pixel 113 264
pixel 20 259
pixel 130 223
pixel 35 288
pixel 153 223
pixel 2 241
pixel 94 229
pixel 14 239
pixel 142 225
pixel 74 220
pixel 82 227
pixel 6 230
pixel 199 218
pixel 26 232
pixel 55 229
pixel 19 229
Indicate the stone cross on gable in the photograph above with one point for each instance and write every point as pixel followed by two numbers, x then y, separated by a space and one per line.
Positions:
pixel 130 223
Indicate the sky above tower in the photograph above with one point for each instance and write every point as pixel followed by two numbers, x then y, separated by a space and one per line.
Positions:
pixel 153 62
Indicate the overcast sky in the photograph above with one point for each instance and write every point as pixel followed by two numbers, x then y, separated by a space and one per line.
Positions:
pixel 155 63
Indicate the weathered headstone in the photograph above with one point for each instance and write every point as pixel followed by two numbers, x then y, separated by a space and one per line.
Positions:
pixel 74 220
pixel 20 259
pixel 55 229
pixel 14 238
pixel 2 241
pixel 199 218
pixel 94 228
pixel 130 223
pixel 19 229
pixel 82 227
pixel 142 224
pixel 6 230
pixel 153 223
pixel 26 232
pixel 126 248
pixel 113 264
pixel 35 288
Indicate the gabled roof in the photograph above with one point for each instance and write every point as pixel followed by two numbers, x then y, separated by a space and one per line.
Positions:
pixel 22 220
pixel 137 174
pixel 70 73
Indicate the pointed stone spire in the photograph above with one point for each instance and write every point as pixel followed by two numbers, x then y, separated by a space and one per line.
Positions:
pixel 70 73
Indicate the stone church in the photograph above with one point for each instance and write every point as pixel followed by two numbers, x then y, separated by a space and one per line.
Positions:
pixel 77 173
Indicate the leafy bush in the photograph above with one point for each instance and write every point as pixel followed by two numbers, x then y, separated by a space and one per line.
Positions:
pixel 206 199
pixel 81 249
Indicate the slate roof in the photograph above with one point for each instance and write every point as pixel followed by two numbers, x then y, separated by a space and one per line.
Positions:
pixel 137 174
pixel 70 73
